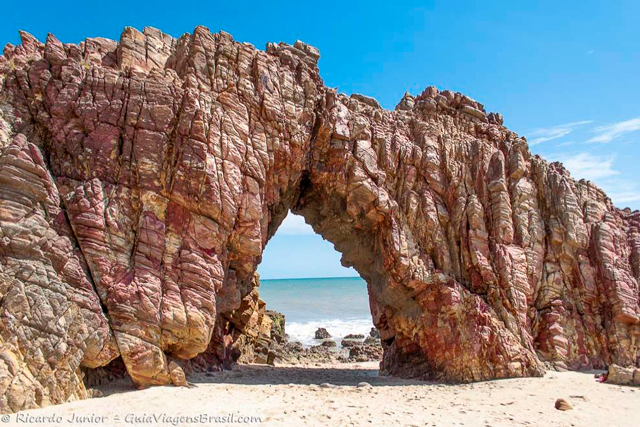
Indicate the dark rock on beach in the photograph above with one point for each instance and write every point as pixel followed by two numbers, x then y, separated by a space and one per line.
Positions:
pixel 365 353
pixel 347 343
pixel 322 333
pixel 371 341
pixel 353 336
pixel 277 326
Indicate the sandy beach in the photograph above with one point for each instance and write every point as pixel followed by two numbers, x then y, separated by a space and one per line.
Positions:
pixel 333 394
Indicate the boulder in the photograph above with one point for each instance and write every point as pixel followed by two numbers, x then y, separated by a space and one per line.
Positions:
pixel 371 341
pixel 177 375
pixel 346 343
pixel 321 333
pixel 353 336
pixel 623 376
pixel 365 353
pixel 277 326
pixel 294 346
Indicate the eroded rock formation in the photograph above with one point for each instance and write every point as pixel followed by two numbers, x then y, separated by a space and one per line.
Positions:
pixel 140 181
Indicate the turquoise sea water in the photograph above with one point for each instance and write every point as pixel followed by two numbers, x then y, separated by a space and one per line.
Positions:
pixel 340 304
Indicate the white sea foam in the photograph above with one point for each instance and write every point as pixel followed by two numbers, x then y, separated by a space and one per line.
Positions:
pixel 338 328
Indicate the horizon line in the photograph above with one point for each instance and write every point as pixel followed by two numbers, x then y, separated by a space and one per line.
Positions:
pixel 308 278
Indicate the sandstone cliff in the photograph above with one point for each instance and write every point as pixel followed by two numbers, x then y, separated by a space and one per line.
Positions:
pixel 140 181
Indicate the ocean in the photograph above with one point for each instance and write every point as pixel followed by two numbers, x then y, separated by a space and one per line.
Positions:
pixel 338 304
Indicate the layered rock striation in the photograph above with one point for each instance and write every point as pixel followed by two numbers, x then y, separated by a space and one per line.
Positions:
pixel 141 180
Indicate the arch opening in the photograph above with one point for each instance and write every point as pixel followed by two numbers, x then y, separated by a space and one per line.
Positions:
pixel 325 304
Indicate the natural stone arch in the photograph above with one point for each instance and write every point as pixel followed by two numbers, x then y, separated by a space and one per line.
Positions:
pixel 431 327
pixel 142 179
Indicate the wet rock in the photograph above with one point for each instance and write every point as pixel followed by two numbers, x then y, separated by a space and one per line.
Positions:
pixel 329 343
pixel 346 343
pixel 277 326
pixel 321 333
pixel 371 341
pixel 374 333
pixel 353 336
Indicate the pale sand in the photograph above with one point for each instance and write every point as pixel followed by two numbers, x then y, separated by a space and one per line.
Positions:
pixel 292 396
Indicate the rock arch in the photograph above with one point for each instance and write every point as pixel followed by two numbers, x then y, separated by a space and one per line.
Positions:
pixel 140 181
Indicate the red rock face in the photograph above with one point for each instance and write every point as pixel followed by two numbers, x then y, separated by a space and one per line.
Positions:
pixel 141 180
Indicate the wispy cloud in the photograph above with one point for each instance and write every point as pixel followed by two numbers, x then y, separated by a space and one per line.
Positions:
pixel 613 131
pixel 590 52
pixel 622 192
pixel 601 170
pixel 566 144
pixel 555 132
pixel 587 166
pixel 294 225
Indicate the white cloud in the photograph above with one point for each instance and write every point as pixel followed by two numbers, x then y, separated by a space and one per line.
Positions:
pixel 555 132
pixel 619 198
pixel 613 131
pixel 588 166
pixel 566 144
pixel 294 225
pixel 622 191
pixel 601 170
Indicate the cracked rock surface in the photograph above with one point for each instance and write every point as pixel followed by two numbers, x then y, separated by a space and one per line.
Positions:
pixel 141 180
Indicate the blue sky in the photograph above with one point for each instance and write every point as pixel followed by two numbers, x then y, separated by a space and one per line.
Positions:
pixel 563 73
